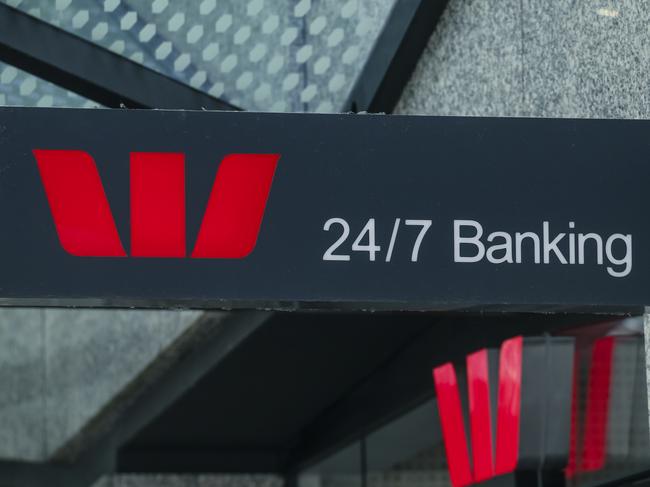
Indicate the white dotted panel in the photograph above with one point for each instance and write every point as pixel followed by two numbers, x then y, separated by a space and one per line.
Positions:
pixel 297 55
pixel 18 88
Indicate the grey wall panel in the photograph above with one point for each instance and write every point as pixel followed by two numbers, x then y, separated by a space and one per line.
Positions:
pixel 584 59
pixel 60 368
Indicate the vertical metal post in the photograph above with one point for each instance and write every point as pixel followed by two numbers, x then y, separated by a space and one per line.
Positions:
pixel 646 334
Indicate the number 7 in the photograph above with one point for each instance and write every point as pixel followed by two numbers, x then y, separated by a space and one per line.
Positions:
pixel 425 224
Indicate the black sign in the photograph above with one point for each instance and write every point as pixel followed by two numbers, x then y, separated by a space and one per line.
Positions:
pixel 214 209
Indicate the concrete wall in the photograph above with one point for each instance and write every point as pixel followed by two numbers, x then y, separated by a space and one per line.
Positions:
pixel 59 368
pixel 565 58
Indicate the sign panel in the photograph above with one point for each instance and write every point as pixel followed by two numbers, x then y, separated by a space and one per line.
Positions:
pixel 216 209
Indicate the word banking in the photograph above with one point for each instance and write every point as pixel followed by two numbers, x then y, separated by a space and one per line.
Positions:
pixel 564 248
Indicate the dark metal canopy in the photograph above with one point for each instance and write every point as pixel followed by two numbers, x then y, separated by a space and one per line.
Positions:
pixel 395 55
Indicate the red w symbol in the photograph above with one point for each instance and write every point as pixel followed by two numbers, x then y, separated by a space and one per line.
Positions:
pixel 485 464
pixel 85 224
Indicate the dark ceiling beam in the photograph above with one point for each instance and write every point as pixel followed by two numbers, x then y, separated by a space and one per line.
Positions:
pixel 395 55
pixel 89 70
pixel 247 416
pixel 215 337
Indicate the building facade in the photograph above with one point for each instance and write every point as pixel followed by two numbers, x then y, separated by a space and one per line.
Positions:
pixel 116 397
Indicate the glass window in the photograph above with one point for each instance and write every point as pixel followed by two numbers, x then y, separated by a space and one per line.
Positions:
pixel 278 55
pixel 610 437
pixel 408 452
pixel 343 469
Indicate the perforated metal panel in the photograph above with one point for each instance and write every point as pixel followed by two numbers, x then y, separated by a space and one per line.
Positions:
pixel 18 88
pixel 278 55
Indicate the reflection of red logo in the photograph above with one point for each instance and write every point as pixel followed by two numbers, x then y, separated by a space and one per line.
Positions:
pixel 485 464
pixel 590 454
pixel 85 225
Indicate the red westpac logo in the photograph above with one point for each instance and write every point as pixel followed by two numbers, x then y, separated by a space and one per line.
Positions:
pixel 84 221
pixel 485 464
